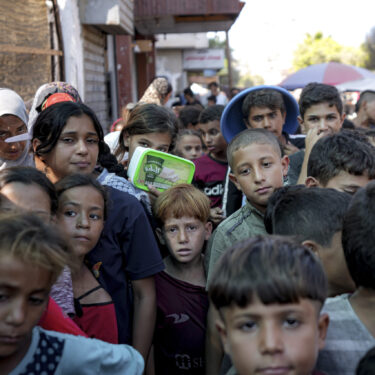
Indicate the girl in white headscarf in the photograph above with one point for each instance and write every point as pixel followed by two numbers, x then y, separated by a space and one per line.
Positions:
pixel 14 136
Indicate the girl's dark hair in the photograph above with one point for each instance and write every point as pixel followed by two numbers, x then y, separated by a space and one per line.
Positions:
pixel 146 118
pixel 51 122
pixel 29 176
pixel 78 180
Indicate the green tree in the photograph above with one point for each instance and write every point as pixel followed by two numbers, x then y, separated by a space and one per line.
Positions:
pixel 317 49
pixel 369 49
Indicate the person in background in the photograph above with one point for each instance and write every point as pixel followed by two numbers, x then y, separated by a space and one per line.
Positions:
pixel 189 117
pixel 13 123
pixel 182 213
pixel 189 144
pixel 191 99
pixel 221 98
pixel 158 92
pixel 211 168
pixel 365 109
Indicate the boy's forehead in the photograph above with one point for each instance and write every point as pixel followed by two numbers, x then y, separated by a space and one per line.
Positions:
pixel 322 108
pixel 209 125
pixel 255 151
pixel 256 308
pixel 256 110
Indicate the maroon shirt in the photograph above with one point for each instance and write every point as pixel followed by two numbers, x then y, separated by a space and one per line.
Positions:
pixel 180 326
pixel 210 177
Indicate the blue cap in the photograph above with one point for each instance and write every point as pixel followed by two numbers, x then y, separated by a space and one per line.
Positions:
pixel 232 121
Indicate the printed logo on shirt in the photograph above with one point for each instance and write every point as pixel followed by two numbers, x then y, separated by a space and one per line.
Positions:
pixel 95 269
pixel 178 318
pixel 185 362
pixel 214 189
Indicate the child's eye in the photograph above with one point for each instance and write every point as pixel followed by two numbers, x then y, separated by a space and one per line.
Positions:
pixel 257 118
pixel 95 217
pixel 214 131
pixel 247 326
pixel 188 148
pixel 192 228
pixel 36 301
pixel 3 297
pixel 245 171
pixel 291 322
pixel 163 149
pixel 92 140
pixel 172 230
pixel 272 115
pixel 67 140
pixel 267 164
pixel 144 144
pixel 70 213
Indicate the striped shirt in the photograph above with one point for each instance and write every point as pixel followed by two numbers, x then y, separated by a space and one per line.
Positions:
pixel 347 341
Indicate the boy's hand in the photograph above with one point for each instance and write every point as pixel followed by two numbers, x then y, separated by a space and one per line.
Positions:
pixel 312 137
pixel 290 149
pixel 216 215
pixel 153 193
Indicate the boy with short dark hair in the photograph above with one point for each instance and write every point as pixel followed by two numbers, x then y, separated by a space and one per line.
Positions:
pixel 352 327
pixel 342 162
pixel 182 303
pixel 258 168
pixel 269 293
pixel 321 113
pixel 269 107
pixel 211 169
pixel 314 217
pixel 265 109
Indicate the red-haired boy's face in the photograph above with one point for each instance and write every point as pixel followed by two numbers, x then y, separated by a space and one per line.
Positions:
pixel 185 238
pixel 24 290
pixel 274 339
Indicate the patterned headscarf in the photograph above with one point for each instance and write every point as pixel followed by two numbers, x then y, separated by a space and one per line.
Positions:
pixel 46 91
pixel 156 91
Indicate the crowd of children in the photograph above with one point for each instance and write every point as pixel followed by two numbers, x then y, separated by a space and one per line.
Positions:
pixel 262 265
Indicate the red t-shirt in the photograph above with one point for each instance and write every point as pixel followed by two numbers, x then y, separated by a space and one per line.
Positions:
pixel 180 326
pixel 54 319
pixel 210 177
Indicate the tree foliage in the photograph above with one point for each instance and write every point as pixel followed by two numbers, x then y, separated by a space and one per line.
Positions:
pixel 318 49
pixel 369 49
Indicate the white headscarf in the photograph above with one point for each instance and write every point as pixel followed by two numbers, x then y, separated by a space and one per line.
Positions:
pixel 12 104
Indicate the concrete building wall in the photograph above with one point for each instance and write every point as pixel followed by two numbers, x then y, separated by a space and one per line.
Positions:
pixel 73 44
pixel 169 64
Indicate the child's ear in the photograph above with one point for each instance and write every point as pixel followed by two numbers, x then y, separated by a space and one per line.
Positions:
pixel 208 229
pixel 343 116
pixel 313 246
pixel 311 182
pixel 160 235
pixel 285 164
pixel 323 323
pixel 125 138
pixel 35 144
pixel 233 178
pixel 220 326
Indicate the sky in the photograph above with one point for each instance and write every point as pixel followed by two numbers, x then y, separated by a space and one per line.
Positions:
pixel 267 32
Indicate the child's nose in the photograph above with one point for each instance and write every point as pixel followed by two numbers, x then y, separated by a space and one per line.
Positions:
pixel 81 147
pixel 17 313
pixel 258 175
pixel 182 236
pixel 83 221
pixel 270 340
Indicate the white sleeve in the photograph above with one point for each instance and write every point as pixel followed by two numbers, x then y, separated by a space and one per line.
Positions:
pixel 83 356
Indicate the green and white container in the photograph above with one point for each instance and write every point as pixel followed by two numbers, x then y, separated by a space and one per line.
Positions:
pixel 159 169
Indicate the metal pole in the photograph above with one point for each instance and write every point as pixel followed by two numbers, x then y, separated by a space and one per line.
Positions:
pixel 229 59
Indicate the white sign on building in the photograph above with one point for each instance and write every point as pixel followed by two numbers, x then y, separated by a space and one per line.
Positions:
pixel 201 59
